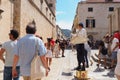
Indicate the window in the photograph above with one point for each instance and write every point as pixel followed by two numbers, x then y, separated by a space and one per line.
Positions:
pixel 50 5
pixel 50 16
pixel 41 1
pixel 52 19
pixel 90 23
pixel 111 8
pixel 46 11
pixel 90 9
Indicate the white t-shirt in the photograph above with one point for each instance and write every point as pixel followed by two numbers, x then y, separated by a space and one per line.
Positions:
pixel 9 48
pixel 114 43
pixel 83 33
pixel 117 69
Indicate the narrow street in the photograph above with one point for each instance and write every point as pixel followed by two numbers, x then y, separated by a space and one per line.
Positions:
pixel 62 69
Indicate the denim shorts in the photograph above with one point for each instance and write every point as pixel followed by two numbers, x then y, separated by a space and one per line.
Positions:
pixel 114 55
pixel 8 73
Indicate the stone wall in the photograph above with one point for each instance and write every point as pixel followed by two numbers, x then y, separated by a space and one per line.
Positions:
pixel 17 14
pixel 45 26
pixel 114 21
pixel 6 22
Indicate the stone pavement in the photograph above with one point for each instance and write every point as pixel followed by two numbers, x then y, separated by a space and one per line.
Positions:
pixel 62 69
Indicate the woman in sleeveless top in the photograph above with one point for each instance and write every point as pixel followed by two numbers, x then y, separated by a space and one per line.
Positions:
pixel 49 52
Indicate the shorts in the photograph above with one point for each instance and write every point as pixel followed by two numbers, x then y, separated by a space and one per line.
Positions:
pixel 114 55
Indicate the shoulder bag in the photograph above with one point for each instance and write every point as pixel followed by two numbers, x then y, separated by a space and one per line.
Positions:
pixel 78 39
pixel 37 69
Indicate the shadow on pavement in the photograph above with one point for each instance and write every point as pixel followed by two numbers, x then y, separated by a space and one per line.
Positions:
pixel 99 70
pixel 67 74
pixel 111 73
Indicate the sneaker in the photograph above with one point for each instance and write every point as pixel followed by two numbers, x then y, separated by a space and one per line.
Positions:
pixel 97 64
pixel 105 67
pixel 83 68
pixel 110 67
pixel 63 56
pixel 77 68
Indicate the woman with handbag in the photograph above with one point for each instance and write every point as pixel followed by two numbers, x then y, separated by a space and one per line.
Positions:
pixel 82 34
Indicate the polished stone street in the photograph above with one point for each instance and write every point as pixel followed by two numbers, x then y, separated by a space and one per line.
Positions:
pixel 62 69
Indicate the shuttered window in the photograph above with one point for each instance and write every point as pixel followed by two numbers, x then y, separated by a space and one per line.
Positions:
pixel 111 8
pixel 90 23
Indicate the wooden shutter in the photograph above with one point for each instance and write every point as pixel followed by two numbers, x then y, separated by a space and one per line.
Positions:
pixel 87 22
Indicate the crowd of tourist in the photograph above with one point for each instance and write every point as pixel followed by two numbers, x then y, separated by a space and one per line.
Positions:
pixel 21 51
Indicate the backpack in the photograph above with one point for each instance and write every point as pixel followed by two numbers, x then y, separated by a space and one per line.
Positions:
pixel 104 50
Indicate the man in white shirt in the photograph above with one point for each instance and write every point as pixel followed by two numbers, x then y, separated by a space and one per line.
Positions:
pixel 9 47
pixel 80 47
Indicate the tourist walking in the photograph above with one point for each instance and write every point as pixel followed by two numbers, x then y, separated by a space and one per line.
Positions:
pixel 49 52
pixel 62 45
pixel 57 49
pixel 52 42
pixel 114 49
pixel 9 47
pixel 103 51
pixel 26 50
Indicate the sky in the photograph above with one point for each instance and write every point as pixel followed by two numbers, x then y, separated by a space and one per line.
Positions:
pixel 65 12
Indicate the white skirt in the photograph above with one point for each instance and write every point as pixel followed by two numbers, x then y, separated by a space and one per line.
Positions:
pixel 49 54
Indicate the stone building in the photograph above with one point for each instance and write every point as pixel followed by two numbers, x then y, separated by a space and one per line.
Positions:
pixel 114 21
pixel 60 34
pixel 18 13
pixel 52 5
pixel 94 15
